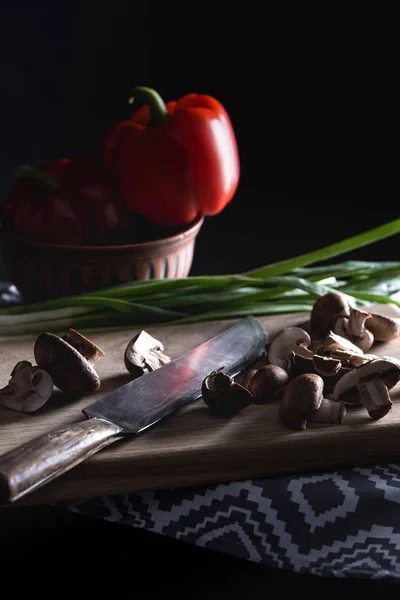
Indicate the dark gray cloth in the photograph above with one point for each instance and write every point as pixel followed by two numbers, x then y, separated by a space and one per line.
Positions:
pixel 338 524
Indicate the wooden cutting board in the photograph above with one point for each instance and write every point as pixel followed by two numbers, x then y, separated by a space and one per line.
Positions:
pixel 192 446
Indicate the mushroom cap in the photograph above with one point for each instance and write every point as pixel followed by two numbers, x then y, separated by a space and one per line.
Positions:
pixel 300 399
pixel 267 382
pixel 284 343
pixel 346 388
pixel 69 370
pixel 326 310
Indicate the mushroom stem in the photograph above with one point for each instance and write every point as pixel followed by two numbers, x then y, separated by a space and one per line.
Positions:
pixel 85 347
pixel 144 354
pixel 329 412
pixel 375 396
pixel 354 328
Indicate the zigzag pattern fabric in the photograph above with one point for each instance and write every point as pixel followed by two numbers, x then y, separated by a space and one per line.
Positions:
pixel 343 524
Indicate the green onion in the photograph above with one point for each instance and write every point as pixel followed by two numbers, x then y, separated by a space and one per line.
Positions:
pixel 291 285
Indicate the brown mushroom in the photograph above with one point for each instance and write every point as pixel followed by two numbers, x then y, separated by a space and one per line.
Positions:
pixel 325 312
pixel 223 396
pixel 70 370
pixel 303 401
pixel 288 340
pixel 28 389
pixel 384 329
pixel 354 328
pixel 369 384
pixel 144 354
pixel 267 383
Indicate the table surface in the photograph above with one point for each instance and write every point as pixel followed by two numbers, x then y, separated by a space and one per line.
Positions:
pixel 63 534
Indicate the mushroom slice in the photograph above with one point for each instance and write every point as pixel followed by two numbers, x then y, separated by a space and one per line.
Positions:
pixel 350 360
pixel 328 368
pixel 333 342
pixel 28 390
pixel 369 384
pixel 303 401
pixel 223 396
pixel 84 346
pixel 383 328
pixel 144 354
pixel 354 329
pixel 325 312
pixel 288 340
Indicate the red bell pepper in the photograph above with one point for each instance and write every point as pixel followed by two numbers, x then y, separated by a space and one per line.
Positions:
pixel 177 161
pixel 70 202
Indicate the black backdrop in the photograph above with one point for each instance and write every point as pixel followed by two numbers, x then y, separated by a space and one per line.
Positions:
pixel 311 173
pixel 315 167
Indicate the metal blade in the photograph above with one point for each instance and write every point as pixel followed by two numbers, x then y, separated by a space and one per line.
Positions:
pixel 144 401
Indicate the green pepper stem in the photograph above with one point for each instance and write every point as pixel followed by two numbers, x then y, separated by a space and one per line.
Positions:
pixel 27 172
pixel 145 95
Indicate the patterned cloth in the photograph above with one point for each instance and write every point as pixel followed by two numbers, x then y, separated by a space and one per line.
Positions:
pixel 343 524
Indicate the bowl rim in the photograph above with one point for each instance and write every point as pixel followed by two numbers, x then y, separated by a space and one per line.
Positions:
pixel 192 229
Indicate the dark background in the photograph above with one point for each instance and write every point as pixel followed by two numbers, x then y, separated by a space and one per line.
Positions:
pixel 315 169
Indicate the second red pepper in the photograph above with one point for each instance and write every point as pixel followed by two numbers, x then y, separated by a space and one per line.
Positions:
pixel 177 161
pixel 70 202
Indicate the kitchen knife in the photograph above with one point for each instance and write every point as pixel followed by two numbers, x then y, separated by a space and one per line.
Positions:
pixel 129 410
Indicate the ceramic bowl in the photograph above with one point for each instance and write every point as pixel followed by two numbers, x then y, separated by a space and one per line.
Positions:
pixel 42 271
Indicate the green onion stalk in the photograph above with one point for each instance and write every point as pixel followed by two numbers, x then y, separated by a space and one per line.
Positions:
pixel 288 286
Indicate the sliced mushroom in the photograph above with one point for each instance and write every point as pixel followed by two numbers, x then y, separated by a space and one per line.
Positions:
pixel 144 354
pixel 326 366
pixel 223 396
pixel 384 329
pixel 28 389
pixel 330 369
pixel 288 340
pixel 303 401
pixel 83 345
pixel 267 383
pixel 71 372
pixel 354 329
pixel 369 384
pixel 325 312
pixel 333 342
pixel 350 360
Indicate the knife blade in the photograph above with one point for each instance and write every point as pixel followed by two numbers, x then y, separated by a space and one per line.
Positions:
pixel 129 410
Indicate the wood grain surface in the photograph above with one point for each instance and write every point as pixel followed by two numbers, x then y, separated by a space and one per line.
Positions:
pixel 192 446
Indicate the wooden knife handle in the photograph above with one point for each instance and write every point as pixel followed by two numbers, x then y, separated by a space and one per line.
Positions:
pixel 44 458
